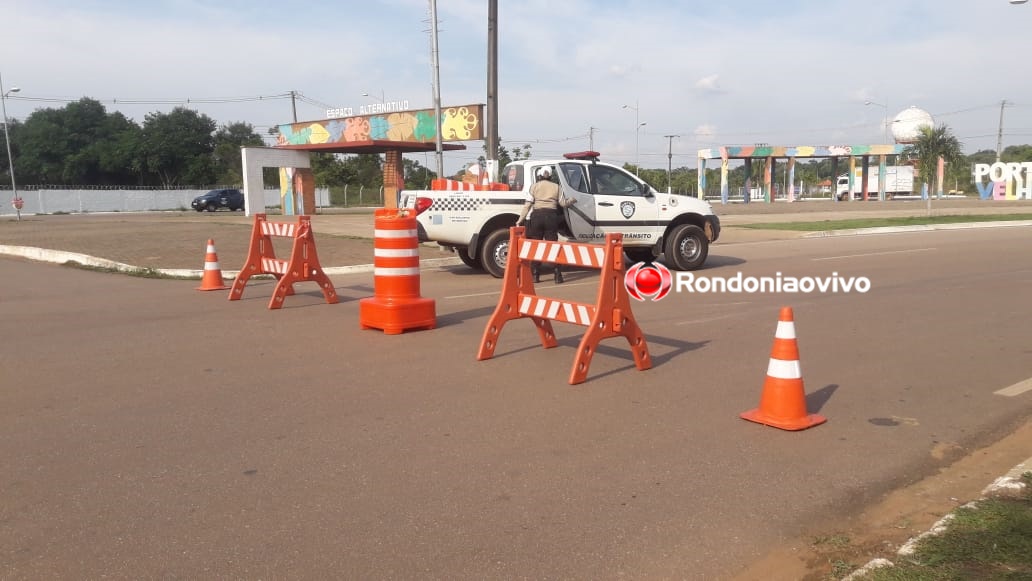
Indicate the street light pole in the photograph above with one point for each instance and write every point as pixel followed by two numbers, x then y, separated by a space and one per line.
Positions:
pixel 7 139
pixel 670 162
pixel 637 126
pixel 999 133
pixel 885 120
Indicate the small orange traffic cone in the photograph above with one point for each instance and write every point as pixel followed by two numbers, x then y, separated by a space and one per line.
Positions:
pixel 212 279
pixel 783 402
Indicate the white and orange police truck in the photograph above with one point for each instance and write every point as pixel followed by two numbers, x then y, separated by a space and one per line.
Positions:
pixel 475 223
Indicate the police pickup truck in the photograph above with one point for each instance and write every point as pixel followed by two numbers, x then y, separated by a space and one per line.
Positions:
pixel 475 224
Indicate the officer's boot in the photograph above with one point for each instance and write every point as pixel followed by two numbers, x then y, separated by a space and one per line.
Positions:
pixel 558 274
pixel 535 271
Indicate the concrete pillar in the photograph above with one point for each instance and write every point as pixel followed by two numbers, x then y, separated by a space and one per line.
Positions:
pixel 304 189
pixel 393 178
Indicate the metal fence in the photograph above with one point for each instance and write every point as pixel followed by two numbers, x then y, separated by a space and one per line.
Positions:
pixel 53 201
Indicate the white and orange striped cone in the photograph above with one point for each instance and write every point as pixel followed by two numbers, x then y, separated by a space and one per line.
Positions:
pixel 212 278
pixel 783 402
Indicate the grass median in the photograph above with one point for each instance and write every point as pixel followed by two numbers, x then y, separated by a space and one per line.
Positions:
pixel 988 539
pixel 884 222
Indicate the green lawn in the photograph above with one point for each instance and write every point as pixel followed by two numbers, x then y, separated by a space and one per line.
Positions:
pixel 993 540
pixel 990 539
pixel 883 222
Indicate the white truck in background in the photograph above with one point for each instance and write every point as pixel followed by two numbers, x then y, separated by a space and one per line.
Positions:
pixel 475 224
pixel 899 181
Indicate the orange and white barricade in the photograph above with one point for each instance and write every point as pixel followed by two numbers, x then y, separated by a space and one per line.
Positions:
pixel 441 184
pixel 397 305
pixel 303 265
pixel 610 316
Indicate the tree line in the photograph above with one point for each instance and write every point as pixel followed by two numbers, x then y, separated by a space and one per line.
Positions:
pixel 84 145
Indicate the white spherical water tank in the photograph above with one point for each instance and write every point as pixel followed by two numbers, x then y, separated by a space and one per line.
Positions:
pixel 906 127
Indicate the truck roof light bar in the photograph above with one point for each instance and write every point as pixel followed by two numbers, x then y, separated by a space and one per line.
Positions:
pixel 584 155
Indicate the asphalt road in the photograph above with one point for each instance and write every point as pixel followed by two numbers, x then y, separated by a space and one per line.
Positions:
pixel 151 430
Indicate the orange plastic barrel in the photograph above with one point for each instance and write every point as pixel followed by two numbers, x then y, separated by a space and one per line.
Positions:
pixel 396 305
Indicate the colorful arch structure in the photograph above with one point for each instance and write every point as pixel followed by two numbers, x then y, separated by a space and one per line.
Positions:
pixel 770 155
pixel 391 133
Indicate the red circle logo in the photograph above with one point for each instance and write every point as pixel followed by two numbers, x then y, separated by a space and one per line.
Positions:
pixel 651 280
pixel 648 281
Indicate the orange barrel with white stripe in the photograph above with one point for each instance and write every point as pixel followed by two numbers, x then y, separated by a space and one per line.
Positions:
pixel 396 304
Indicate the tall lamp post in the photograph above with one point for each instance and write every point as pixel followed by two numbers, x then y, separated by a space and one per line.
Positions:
pixel 885 120
pixel 7 138
pixel 670 163
pixel 637 125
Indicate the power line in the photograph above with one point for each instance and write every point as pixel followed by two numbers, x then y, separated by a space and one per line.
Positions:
pixel 175 101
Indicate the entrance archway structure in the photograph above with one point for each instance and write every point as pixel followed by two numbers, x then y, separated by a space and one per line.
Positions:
pixel 390 133
pixel 769 154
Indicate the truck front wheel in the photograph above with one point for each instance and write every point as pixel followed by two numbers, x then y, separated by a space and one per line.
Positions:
pixel 686 247
pixel 495 252
pixel 639 254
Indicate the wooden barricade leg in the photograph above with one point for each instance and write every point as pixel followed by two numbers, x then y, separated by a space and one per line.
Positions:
pixel 613 316
pixel 517 281
pixel 261 247
pixel 303 266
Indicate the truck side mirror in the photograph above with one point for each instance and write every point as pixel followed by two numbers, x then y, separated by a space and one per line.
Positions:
pixel 646 190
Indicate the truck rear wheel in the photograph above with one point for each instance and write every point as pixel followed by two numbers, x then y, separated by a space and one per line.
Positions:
pixel 468 260
pixel 495 252
pixel 686 247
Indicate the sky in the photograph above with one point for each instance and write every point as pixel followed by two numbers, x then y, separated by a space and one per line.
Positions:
pixel 619 76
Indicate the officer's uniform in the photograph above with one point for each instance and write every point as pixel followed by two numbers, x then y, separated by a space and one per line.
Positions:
pixel 544 198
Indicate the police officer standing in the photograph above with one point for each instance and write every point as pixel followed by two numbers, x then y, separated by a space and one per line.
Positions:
pixel 544 198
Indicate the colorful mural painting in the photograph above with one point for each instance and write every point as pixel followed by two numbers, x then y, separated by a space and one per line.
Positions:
pixel 771 153
pixel 462 123
pixel 744 151
pixel 1006 181
pixel 288 199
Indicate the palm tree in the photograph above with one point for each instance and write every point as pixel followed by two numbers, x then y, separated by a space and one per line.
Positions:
pixel 931 144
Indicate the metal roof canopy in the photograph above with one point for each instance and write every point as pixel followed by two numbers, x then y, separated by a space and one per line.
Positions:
pixel 372 146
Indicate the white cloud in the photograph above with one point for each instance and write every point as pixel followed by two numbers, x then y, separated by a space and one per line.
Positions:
pixel 789 74
pixel 704 132
pixel 709 84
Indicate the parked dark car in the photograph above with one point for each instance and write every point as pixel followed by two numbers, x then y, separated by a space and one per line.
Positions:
pixel 226 198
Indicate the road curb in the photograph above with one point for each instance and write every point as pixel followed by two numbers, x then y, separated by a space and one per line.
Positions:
pixel 62 257
pixel 1006 485
pixel 917 228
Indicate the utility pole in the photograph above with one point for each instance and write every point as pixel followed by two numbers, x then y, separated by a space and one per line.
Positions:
pixel 435 58
pixel 293 104
pixel 591 138
pixel 492 89
pixel 999 134
pixel 670 161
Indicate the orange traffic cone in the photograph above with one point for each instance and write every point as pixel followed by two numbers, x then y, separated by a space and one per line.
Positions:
pixel 783 402
pixel 212 279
